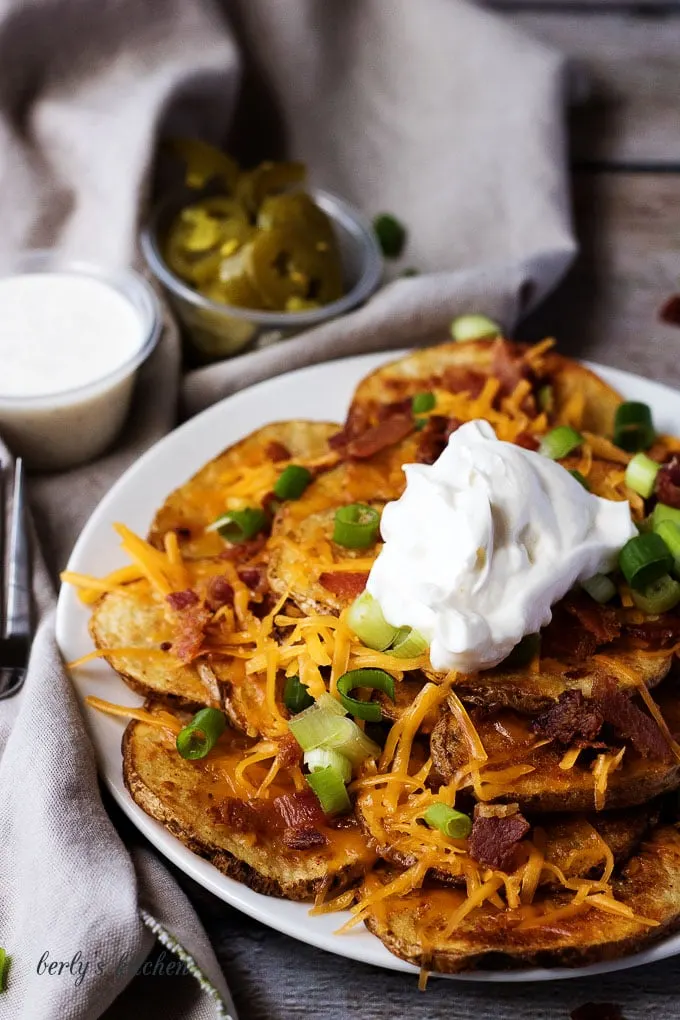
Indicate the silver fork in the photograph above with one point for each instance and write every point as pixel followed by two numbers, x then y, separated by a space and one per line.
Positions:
pixel 17 624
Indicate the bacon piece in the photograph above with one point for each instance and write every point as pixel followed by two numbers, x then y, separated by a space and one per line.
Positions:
pixel 219 593
pixel 180 600
pixel 289 752
pixel 565 638
pixel 494 839
pixel 508 365
pixel 527 441
pixel 244 550
pixel 385 433
pixel 630 722
pixel 254 578
pixel 300 810
pixel 307 838
pixel 258 816
pixel 670 311
pixel 458 379
pixel 571 719
pixel 656 634
pixel 668 483
pixel 395 407
pixel 191 631
pixel 434 437
pixel 357 422
pixel 165 646
pixel 601 621
pixel 344 585
pixel 277 451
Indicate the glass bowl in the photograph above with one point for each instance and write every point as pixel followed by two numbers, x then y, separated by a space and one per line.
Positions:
pixel 214 330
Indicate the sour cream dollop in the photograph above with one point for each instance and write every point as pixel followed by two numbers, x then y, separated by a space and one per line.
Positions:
pixel 484 542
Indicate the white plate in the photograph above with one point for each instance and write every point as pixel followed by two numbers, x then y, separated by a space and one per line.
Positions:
pixel 321 392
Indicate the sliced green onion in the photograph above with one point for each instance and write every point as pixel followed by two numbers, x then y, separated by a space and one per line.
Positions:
pixel 329 787
pixel 292 482
pixel 474 327
pixel 296 697
pixel 325 757
pixel 201 734
pixel 559 442
pixel 373 679
pixel 641 475
pixel 391 235
pixel 423 402
pixel 366 620
pixel 349 740
pixel 600 587
pixel 356 526
pixel 420 423
pixel 633 428
pixel 5 961
pixel 580 479
pixel 408 644
pixel 644 559
pixel 240 525
pixel 524 652
pixel 546 399
pixel 452 823
pixel 663 512
pixel 669 531
pixel 657 597
pixel 319 723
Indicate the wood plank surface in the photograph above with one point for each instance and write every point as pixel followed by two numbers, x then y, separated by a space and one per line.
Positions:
pixel 607 308
pixel 627 69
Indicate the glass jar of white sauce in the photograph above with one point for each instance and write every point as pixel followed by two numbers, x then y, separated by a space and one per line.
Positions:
pixel 72 337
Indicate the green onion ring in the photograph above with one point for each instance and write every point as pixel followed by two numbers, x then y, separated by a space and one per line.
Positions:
pixel 560 442
pixel 356 526
pixel 292 482
pixel 375 679
pixel 201 734
pixel 644 559
pixel 296 697
pixel 633 428
pixel 421 403
pixel 240 525
pixel 329 787
pixel 658 597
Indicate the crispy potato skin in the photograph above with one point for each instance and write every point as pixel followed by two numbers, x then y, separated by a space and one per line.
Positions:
pixel 549 788
pixel 180 793
pixel 650 885
pixel 422 369
pixel 197 503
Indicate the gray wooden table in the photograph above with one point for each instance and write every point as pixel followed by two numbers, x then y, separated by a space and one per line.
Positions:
pixel 626 169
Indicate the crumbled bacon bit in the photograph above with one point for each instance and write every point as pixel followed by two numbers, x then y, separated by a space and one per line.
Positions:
pixel 299 810
pixel 508 365
pixel 344 584
pixel 181 600
pixel 656 634
pixel 357 422
pixel 668 483
pixel 494 839
pixel 256 816
pixel 191 631
pixel 434 437
pixel 601 621
pixel 565 638
pixel 165 646
pixel 289 752
pixel 244 550
pixel 277 451
pixel 396 407
pixel 572 718
pixel 219 593
pixel 670 311
pixel 254 578
pixel 385 433
pixel 527 441
pixel 630 722
pixel 458 379
pixel 306 838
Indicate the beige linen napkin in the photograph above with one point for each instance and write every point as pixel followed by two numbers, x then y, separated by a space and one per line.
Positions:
pixel 436 111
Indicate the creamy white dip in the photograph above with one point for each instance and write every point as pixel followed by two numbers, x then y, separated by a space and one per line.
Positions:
pixel 483 543
pixel 61 331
